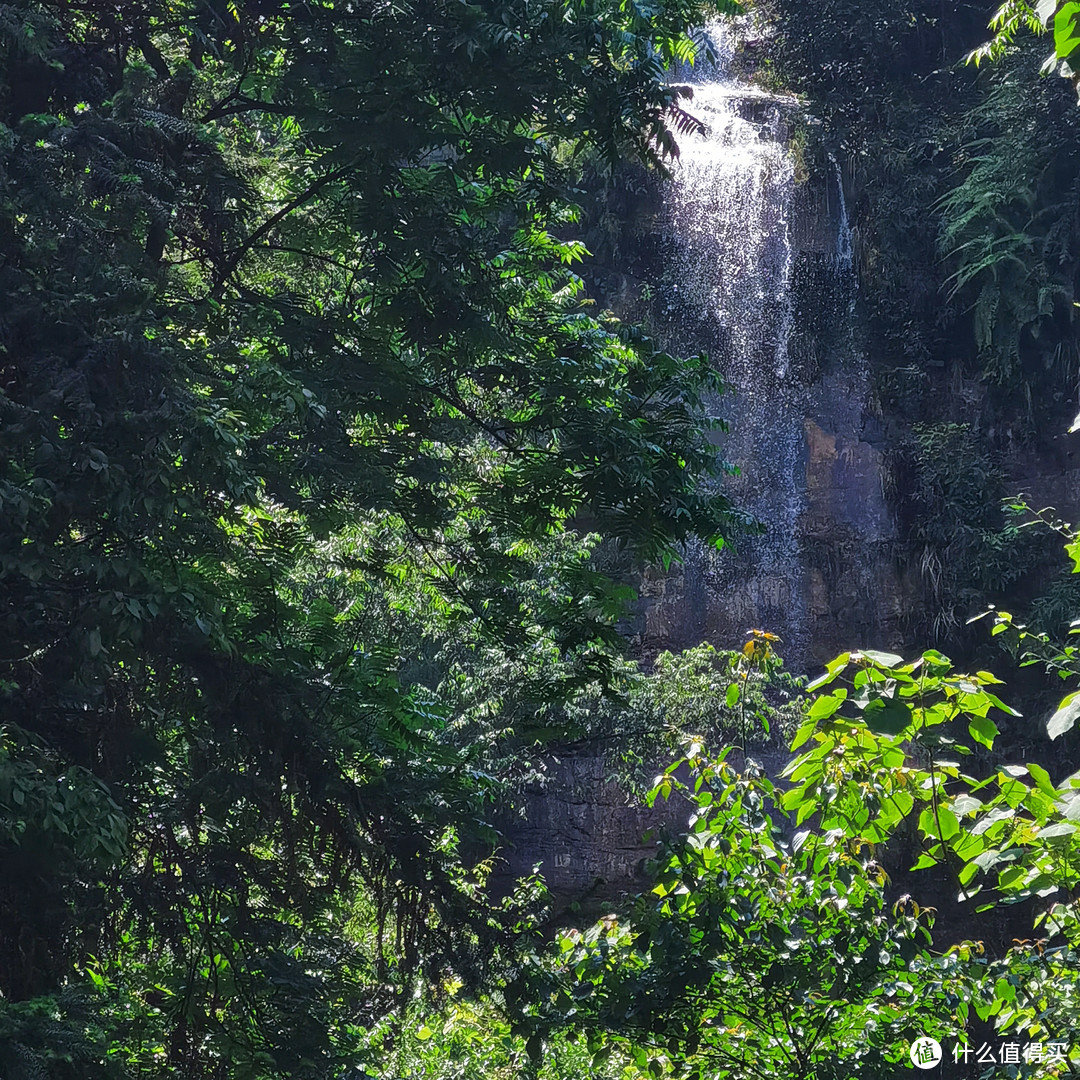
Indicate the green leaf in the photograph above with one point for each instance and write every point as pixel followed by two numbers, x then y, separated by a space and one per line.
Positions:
pixel 806 729
pixel 832 669
pixel 1007 709
pixel 1066 36
pixel 1065 717
pixel 732 697
pixel 929 823
pixel 826 705
pixel 983 730
pixel 936 663
pixel 882 659
pixel 1042 779
pixel 886 716
pixel 1013 791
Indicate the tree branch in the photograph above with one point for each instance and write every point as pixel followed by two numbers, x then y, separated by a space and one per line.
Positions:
pixel 273 221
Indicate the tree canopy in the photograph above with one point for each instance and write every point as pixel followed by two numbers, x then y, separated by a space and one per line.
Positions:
pixel 304 423
pixel 314 455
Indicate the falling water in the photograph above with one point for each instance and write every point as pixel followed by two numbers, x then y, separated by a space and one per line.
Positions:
pixel 753 263
pixel 729 209
pixel 845 248
pixel 730 262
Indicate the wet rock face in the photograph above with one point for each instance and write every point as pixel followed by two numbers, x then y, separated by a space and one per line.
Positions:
pixel 584 832
pixel 747 255
pixel 752 261
pixel 855 593
pixel 742 257
pixel 839 584
pixel 590 840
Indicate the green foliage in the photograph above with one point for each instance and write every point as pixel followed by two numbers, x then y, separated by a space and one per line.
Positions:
pixel 301 408
pixel 473 1040
pixel 741 698
pixel 755 953
pixel 888 99
pixel 1060 17
pixel 877 740
pixel 968 547
pixel 60 1035
pixel 881 757
pixel 767 946
pixel 1010 229
pixel 1039 643
pixel 304 415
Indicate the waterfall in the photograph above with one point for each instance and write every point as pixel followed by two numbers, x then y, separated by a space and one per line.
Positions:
pixel 735 223
pixel 729 209
pixel 749 256
pixel 845 245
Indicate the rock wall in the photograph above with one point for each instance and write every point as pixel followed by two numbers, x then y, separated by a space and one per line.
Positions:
pixel 581 828
pixel 590 840
pixel 747 256
pixel 743 258
pixel 826 573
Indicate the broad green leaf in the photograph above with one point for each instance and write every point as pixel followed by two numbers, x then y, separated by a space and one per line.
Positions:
pixel 1073 551
pixel 886 716
pixel 936 663
pixel 1014 792
pixel 832 669
pixel 1065 717
pixel 1066 35
pixel 929 823
pixel 1042 779
pixel 967 873
pixel 883 659
pixel 824 706
pixel 902 802
pixel 925 861
pixel 1042 806
pixel 1008 709
pixel 806 729
pixel 983 730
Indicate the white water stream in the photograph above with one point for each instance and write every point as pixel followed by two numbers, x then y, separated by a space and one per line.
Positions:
pixel 731 256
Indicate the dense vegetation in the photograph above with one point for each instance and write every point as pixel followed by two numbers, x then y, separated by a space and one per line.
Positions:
pixel 313 452
pixel 963 184
pixel 302 414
